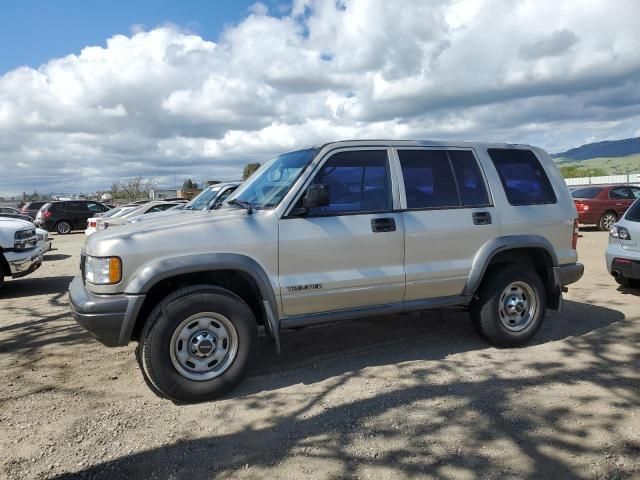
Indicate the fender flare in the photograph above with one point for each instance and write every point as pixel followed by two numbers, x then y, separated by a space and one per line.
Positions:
pixel 497 245
pixel 154 272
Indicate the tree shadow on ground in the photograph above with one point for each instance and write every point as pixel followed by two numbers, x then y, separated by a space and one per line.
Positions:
pixel 319 429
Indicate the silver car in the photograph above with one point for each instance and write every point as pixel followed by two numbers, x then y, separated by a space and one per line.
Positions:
pixel 335 232
pixel 623 251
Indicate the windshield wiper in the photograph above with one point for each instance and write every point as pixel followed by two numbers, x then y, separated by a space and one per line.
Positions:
pixel 246 205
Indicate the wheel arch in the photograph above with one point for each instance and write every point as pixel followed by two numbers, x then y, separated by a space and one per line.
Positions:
pixel 239 274
pixel 533 249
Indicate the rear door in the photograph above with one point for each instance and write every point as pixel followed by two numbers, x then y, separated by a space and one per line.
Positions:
pixel 448 215
pixel 349 253
pixel 78 213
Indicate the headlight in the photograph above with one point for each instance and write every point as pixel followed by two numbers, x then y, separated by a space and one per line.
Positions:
pixel 24 239
pixel 103 270
pixel 619 232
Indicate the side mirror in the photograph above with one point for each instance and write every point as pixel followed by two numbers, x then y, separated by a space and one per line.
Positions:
pixel 317 196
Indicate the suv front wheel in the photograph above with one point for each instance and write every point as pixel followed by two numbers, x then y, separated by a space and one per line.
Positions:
pixel 198 344
pixel 510 305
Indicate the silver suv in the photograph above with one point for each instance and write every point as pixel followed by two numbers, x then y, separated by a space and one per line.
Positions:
pixel 341 231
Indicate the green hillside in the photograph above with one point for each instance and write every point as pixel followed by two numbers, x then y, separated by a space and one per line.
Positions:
pixel 611 165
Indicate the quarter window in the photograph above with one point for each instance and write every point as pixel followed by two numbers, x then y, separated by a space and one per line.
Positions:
pixel 522 176
pixel 358 183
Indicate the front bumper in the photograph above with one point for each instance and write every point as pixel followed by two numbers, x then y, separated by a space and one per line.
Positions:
pixel 109 318
pixel 23 263
pixel 568 274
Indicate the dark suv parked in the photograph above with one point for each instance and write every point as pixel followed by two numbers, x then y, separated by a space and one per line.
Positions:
pixel 63 217
pixel 31 208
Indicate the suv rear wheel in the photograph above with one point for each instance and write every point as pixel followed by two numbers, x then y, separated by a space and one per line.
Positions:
pixel 510 306
pixel 198 344
pixel 63 227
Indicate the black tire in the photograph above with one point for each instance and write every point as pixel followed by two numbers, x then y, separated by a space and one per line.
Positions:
pixel 607 219
pixel 63 227
pixel 485 310
pixel 157 343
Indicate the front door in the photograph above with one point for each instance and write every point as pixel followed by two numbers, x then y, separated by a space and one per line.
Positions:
pixel 448 216
pixel 349 253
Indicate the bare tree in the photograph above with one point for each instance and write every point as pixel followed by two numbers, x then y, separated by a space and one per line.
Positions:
pixel 136 188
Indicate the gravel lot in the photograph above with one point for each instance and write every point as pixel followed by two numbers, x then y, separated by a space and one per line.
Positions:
pixel 390 397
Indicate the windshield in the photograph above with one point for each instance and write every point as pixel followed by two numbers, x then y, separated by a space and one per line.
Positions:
pixel 201 201
pixel 112 212
pixel 587 192
pixel 271 182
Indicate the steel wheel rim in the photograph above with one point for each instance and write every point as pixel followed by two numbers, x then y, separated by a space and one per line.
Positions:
pixel 204 346
pixel 518 306
pixel 64 227
pixel 608 220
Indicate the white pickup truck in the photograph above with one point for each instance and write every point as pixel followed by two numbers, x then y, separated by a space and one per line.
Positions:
pixel 20 253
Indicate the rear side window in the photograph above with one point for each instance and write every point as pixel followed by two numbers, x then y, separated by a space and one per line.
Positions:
pixel 442 179
pixel 57 207
pixel 473 191
pixel 586 192
pixel 76 206
pixel 522 176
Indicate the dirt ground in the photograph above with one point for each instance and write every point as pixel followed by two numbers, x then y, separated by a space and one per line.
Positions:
pixel 409 396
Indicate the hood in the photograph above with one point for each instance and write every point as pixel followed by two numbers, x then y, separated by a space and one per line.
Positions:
pixel 15 223
pixel 167 213
pixel 165 227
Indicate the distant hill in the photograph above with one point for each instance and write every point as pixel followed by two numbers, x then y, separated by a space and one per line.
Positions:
pixel 606 149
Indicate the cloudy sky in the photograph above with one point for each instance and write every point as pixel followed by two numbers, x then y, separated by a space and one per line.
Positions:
pixel 173 96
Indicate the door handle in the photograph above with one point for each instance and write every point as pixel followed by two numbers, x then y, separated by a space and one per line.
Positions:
pixel 383 225
pixel 481 218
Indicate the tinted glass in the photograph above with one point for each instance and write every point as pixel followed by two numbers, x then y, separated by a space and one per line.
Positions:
pixel 621 193
pixel 358 182
pixel 471 186
pixel 428 179
pixel 635 191
pixel 522 176
pixel 76 206
pixel 633 214
pixel 58 207
pixel 586 192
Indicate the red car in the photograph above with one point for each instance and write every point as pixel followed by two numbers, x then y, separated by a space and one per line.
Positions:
pixel 603 205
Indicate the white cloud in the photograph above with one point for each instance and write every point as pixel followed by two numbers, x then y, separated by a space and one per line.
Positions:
pixel 166 102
